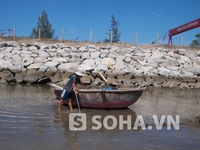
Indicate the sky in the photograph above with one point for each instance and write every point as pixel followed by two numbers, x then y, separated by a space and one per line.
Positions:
pixel 78 17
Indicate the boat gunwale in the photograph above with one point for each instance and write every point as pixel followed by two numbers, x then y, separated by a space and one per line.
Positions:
pixel 120 90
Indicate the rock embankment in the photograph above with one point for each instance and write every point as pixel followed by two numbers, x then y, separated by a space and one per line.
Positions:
pixel 126 67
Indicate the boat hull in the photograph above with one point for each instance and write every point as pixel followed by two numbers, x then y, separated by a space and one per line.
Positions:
pixel 111 99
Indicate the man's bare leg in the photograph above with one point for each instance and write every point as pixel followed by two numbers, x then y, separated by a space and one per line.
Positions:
pixel 60 104
pixel 70 104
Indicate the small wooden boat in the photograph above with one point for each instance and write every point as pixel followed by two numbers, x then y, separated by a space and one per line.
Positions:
pixel 104 99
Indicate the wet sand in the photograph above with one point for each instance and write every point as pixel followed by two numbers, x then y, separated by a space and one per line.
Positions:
pixel 29 119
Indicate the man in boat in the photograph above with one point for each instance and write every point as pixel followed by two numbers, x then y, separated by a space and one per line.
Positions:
pixel 71 87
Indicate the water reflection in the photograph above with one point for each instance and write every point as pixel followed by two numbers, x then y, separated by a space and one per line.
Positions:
pixel 99 120
pixel 90 138
pixel 161 101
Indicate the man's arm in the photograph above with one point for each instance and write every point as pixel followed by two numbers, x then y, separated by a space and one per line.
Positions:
pixel 74 88
pixel 86 85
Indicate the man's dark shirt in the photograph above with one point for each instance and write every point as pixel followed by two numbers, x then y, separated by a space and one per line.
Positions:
pixel 73 79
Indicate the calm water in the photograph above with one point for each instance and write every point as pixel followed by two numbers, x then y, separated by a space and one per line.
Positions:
pixel 29 120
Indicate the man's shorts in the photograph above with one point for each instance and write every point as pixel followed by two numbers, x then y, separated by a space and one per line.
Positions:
pixel 65 94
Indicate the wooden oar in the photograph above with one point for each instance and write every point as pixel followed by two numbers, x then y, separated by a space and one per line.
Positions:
pixel 146 84
pixel 104 79
pixel 79 108
pixel 55 86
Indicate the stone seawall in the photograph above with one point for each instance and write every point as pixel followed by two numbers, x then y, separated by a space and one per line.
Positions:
pixel 125 67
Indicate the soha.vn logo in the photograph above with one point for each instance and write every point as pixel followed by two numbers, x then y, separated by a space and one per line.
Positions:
pixel 78 122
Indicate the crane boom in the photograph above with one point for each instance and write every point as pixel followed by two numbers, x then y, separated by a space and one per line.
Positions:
pixel 188 26
pixel 185 27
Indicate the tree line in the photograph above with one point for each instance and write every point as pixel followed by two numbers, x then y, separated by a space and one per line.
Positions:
pixel 47 31
pixel 113 35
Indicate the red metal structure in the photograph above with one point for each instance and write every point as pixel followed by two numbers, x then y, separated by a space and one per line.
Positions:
pixel 188 26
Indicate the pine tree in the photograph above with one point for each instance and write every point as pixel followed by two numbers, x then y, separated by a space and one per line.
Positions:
pixel 46 27
pixel 114 30
pixel 196 43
